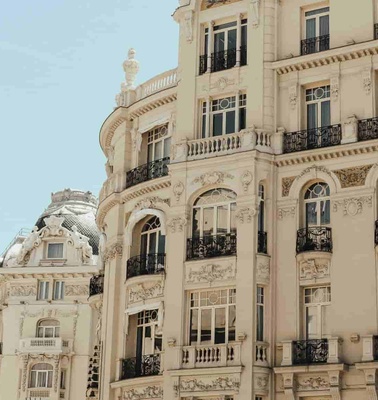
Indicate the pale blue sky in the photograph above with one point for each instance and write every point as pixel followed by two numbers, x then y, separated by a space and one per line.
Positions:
pixel 60 68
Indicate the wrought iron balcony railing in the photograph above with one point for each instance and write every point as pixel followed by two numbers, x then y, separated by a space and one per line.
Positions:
pixel 314 238
pixel 368 129
pixel 375 31
pixel 308 139
pixel 136 367
pixel 96 285
pixel 152 170
pixel 314 45
pixel 1 348
pixel 375 347
pixel 145 264
pixel 211 246
pixel 222 60
pixel 311 351
pixel 376 232
pixel 262 242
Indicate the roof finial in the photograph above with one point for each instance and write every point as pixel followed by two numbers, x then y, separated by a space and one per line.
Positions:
pixel 131 68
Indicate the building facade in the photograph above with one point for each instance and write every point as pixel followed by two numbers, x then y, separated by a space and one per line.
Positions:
pixel 238 215
pixel 47 327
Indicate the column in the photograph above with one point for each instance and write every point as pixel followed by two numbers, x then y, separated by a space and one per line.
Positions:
pixel 237 121
pixel 210 45
pixel 238 42
pixel 208 105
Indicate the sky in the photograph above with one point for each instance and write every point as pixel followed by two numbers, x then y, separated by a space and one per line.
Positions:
pixel 60 69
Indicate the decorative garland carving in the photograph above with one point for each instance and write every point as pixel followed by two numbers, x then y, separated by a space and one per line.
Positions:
pixel 245 214
pixel 352 206
pixel 113 251
pixel 354 176
pixel 246 180
pixel 335 83
pixel 198 385
pixel 23 291
pixel 178 190
pixel 293 96
pixel 286 185
pixel 314 269
pixel 150 202
pixel 317 168
pixel 316 383
pixel 210 273
pixel 262 382
pixel 286 212
pixel 149 392
pixel 212 178
pixel 263 272
pixel 177 224
pixel 141 292
pixel 76 290
pixel 210 3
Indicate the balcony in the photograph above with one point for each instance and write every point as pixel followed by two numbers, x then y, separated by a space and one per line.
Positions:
pixel 314 45
pixel 45 345
pixel 96 285
pixel 211 246
pixel 261 354
pixel 314 238
pixel 309 139
pixel 39 394
pixel 145 264
pixel 375 31
pixel 222 60
pixel 368 129
pixel 262 242
pixel 152 170
pixel 208 356
pixel 311 351
pixel 148 365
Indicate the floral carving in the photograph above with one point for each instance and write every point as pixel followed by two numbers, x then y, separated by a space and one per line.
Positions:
pixel 314 269
pixel 355 176
pixel 286 212
pixel 150 202
pixel 177 224
pixel 76 290
pixel 263 272
pixel 245 214
pixel 178 190
pixel 262 382
pixel 199 385
pixel 255 13
pixel 113 251
pixel 141 292
pixel 210 3
pixel 210 273
pixel 149 392
pixel 366 79
pixel 212 178
pixel 23 291
pixel 246 180
pixel 316 383
pixel 286 185
pixel 352 206
pixel 335 88
pixel 293 96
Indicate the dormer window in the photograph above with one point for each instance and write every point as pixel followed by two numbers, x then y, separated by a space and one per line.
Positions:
pixel 55 250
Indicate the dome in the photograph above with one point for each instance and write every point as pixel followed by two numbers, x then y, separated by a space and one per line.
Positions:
pixel 78 209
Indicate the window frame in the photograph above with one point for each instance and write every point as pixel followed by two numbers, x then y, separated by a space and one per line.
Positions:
pixel 158 134
pixel 54 244
pixel 154 327
pixel 60 290
pixel 46 284
pixel 317 17
pixel 46 376
pixel 318 201
pixel 318 102
pixel 55 329
pixel 260 305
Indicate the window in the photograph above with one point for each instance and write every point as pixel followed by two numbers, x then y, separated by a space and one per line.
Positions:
pixel 158 144
pixel 43 290
pixel 318 108
pixel 225 116
pixel 48 328
pixel 55 250
pixel 317 23
pixel 63 375
pixel 214 213
pixel 261 219
pixel 317 205
pixel 41 376
pixel 149 341
pixel 316 303
pixel 260 314
pixel 58 290
pixel 152 240
pixel 212 316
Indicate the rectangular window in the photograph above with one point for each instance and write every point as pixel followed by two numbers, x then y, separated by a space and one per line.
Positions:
pixel 158 143
pixel 58 290
pixel 260 314
pixel 55 250
pixel 43 290
pixel 212 316
pixel 41 379
pixel 318 107
pixel 63 379
pixel 317 22
pixel 316 303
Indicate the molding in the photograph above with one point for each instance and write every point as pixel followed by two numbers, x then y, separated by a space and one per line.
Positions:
pixel 245 214
pixel 207 384
pixel 113 251
pixel 143 291
pixel 212 178
pixel 148 392
pixel 284 212
pixel 177 224
pixel 151 202
pixel 352 206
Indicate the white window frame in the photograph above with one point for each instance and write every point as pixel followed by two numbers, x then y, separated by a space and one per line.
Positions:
pixel 316 17
pixel 310 292
pixel 38 375
pixel 52 244
pixel 55 330
pixel 318 200
pixel 230 302
pixel 260 304
pixel 46 290
pixel 63 379
pixel 58 288
pixel 154 136
pixel 318 100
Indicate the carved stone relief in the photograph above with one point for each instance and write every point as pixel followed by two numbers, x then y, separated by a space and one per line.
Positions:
pixel 352 206
pixel 150 202
pixel 245 214
pixel 261 382
pixel 286 185
pixel 313 383
pixel 286 212
pixel 149 392
pixel 177 224
pixel 316 168
pixel 293 96
pixel 210 273
pixel 76 290
pixel 188 24
pixel 178 190
pixel 314 269
pixel 263 271
pixel 114 250
pixel 255 4
pixel 203 384
pixel 145 291
pixel 212 178
pixel 23 291
pixel 367 81
pixel 354 176
pixel 246 180
pixel 335 88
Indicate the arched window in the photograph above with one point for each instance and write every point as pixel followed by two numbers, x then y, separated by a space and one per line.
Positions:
pixel 48 328
pixel 261 219
pixel 214 213
pixel 152 240
pixel 41 376
pixel 317 205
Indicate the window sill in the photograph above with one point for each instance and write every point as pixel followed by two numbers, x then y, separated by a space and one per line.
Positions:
pixel 52 262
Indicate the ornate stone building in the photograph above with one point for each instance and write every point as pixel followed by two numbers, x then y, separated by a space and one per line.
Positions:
pixel 240 206
pixel 47 328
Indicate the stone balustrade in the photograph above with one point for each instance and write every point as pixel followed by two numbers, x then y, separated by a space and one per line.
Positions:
pixel 158 83
pixel 262 353
pixel 38 394
pixel 45 345
pixel 369 348
pixel 217 355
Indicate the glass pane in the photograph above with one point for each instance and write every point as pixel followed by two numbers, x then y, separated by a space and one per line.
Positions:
pixel 244 35
pixel 193 326
pixel 57 332
pixel 158 343
pixel 219 42
pixel 231 323
pixel 196 222
pixel 220 326
pixel 33 379
pixel 49 332
pixel 55 250
pixel 152 245
pixel 167 147
pixel 325 212
pixel 261 224
pixel 208 221
pixel 206 44
pixel 231 44
pixel 161 244
pixel 324 25
pixel 326 113
pixel 230 122
pixel 260 323
pixel 222 219
pixel 232 217
pixel 204 126
pixel 242 118
pixel 217 124
pixel 150 156
pixel 158 150
pixel 311 323
pixel 49 379
pixel 312 116
pixel 311 214
pixel 310 28
pixel 143 244
pixel 206 326
pixel 326 319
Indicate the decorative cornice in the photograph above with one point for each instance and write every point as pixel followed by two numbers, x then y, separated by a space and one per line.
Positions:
pixel 137 111
pixel 147 187
pixel 151 202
